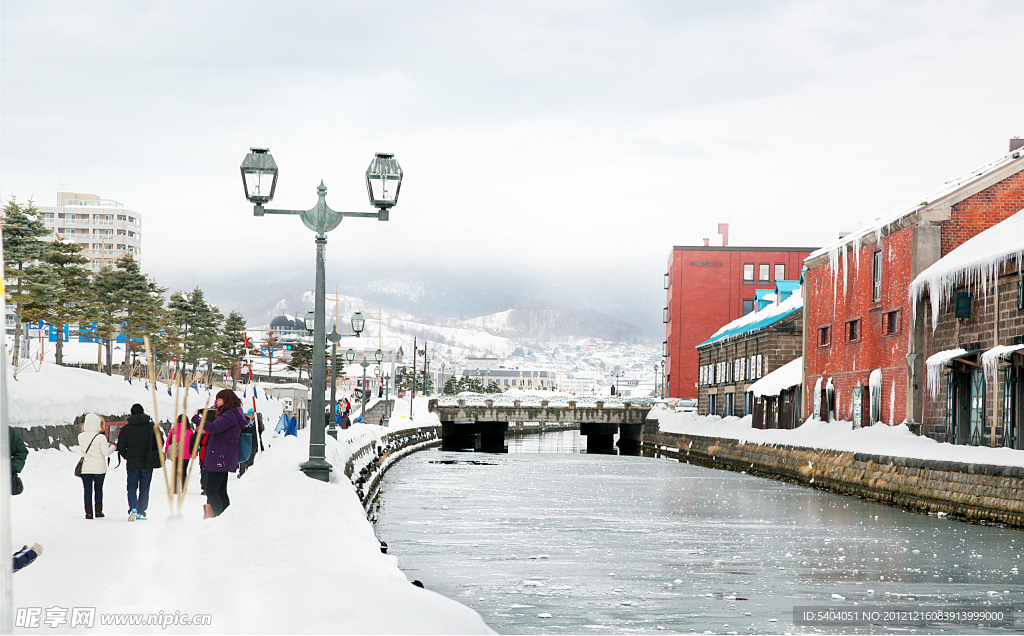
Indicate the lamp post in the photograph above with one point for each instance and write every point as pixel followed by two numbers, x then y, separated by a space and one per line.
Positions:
pixel 350 355
pixel 387 395
pixel 662 364
pixel 383 183
pixel 358 322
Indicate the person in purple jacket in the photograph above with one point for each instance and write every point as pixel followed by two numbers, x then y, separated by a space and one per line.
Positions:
pixel 221 455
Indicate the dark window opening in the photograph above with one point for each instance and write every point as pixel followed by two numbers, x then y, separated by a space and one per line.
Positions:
pixel 853 330
pixel 823 336
pixel 748 306
pixel 891 322
pixel 876 276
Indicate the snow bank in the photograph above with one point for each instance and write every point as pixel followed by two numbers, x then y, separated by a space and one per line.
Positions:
pixel 789 374
pixel 291 554
pixel 893 441
pixel 47 394
pixel 974 264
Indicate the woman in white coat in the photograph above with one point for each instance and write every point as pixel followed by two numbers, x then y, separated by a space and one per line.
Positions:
pixel 92 443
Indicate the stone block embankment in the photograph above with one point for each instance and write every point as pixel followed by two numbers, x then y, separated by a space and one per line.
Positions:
pixel 974 492
pixel 367 465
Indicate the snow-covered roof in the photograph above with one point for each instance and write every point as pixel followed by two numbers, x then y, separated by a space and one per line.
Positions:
pixel 789 374
pixel 935 367
pixel 834 249
pixel 758 319
pixel 990 358
pixel 975 263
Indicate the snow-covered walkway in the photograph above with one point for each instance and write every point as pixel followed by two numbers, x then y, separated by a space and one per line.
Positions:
pixel 290 555
pixel 893 441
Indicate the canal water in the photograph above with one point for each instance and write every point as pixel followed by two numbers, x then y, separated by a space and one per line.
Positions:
pixel 547 539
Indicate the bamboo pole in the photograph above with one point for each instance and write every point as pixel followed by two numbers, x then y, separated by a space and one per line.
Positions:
pixel 179 460
pixel 195 451
pixel 156 421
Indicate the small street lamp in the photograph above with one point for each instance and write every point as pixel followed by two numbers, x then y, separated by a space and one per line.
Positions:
pixel 662 376
pixel 383 182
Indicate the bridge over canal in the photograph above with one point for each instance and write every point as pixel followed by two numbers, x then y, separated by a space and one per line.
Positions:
pixel 480 422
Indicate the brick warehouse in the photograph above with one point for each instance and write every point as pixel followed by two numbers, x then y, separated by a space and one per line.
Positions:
pixel 709 286
pixel 744 351
pixel 975 339
pixel 860 338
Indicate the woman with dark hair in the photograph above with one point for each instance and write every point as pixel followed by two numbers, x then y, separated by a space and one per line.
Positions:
pixel 179 445
pixel 221 454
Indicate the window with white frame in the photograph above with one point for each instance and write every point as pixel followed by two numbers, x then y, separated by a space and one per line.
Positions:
pixel 759 365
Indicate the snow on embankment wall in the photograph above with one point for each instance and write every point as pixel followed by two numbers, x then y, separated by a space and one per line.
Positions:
pixel 976 492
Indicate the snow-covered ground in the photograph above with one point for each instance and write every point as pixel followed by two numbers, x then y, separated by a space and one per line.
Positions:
pixel 290 555
pixel 893 441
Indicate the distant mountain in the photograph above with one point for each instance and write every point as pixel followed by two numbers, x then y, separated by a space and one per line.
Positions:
pixel 617 306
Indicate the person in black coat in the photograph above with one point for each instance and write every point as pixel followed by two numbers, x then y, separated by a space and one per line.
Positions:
pixel 137 444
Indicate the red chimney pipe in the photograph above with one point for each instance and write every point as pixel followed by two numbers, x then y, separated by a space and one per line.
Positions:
pixel 723 229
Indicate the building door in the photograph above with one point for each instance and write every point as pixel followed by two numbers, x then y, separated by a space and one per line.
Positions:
pixel 858 403
pixel 787 408
pixel 1012 376
pixel 977 407
pixel 713 404
pixel 730 404
pixel 951 407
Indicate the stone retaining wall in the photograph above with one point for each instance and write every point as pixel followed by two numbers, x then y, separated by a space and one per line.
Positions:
pixel 974 492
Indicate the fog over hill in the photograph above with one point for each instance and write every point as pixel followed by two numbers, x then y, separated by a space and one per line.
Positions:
pixel 615 304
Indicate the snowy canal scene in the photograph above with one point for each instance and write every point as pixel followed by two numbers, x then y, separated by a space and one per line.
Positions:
pixel 558 317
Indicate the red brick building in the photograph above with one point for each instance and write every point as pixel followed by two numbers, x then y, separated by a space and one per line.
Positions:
pixel 709 286
pixel 863 348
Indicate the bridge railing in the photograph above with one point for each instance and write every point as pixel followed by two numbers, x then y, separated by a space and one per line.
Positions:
pixel 492 400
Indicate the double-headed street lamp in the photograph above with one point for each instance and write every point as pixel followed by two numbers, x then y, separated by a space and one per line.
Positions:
pixel 350 355
pixel 358 322
pixel 383 182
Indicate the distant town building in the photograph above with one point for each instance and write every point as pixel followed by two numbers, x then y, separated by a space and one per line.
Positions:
pixel 709 286
pixel 105 229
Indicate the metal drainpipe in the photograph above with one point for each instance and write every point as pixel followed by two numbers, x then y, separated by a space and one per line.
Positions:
pixel 996 402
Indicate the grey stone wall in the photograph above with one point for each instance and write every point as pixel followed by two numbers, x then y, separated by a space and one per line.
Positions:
pixel 975 492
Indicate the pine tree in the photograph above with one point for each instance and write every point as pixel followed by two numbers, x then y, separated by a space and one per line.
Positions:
pixel 22 231
pixel 62 293
pixel 230 347
pixel 302 358
pixel 142 303
pixel 109 309
pixel 451 386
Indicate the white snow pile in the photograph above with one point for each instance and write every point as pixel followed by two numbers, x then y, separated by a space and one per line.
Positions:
pixel 975 264
pixel 290 555
pixel 880 439
pixel 795 301
pixel 789 374
pixel 46 394
pixel 935 368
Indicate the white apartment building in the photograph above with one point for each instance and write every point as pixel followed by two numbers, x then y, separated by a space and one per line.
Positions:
pixel 105 229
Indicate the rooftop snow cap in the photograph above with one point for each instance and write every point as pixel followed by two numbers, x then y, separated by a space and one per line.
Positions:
pixel 136 409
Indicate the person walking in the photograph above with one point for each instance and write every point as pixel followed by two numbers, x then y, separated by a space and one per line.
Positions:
pixel 138 446
pixel 95 450
pixel 179 445
pixel 19 453
pixel 221 455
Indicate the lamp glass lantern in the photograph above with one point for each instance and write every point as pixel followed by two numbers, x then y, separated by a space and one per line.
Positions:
pixel 350 355
pixel 259 176
pixel 378 356
pixel 383 180
pixel 358 322
pixel 310 320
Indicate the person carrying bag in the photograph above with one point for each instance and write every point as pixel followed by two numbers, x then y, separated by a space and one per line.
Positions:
pixel 92 467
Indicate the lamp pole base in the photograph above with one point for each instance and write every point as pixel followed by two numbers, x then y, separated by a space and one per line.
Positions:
pixel 332 430
pixel 317 469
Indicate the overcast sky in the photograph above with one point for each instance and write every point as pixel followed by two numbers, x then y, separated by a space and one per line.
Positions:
pixel 565 134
